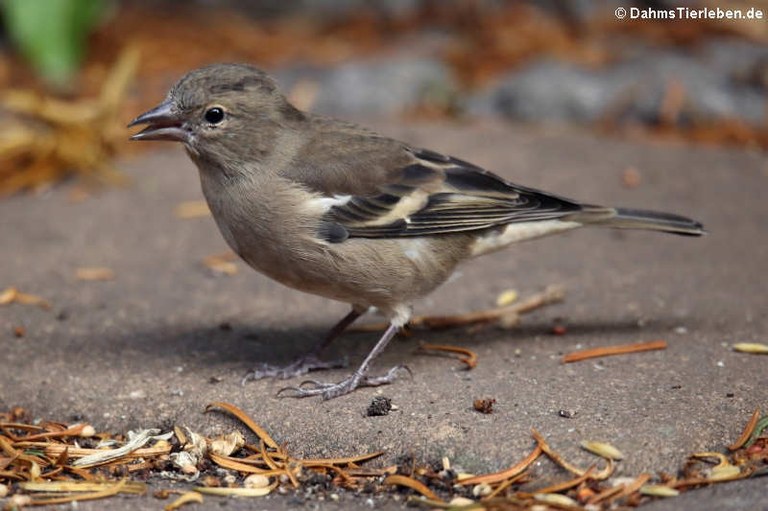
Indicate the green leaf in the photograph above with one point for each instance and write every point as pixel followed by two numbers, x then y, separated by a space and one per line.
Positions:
pixel 52 34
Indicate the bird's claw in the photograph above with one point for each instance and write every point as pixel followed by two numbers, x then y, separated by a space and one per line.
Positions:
pixel 310 388
pixel 296 368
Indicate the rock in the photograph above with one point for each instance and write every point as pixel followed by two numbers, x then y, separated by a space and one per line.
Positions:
pixel 376 87
pixel 725 80
pixel 549 91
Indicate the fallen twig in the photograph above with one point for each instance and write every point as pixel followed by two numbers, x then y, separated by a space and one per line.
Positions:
pixel 410 482
pixel 469 358
pixel 245 419
pixel 13 295
pixel 552 294
pixel 748 429
pixel 511 472
pixel 606 351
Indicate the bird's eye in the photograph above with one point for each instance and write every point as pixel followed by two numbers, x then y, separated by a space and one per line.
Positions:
pixel 214 115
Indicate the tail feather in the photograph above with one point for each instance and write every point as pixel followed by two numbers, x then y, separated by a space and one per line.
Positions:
pixel 626 218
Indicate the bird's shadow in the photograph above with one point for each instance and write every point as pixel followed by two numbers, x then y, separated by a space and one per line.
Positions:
pixel 241 347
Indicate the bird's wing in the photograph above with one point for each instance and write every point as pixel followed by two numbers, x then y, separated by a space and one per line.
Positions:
pixel 433 194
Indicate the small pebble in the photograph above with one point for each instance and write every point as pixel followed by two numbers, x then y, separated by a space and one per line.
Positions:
pixel 484 405
pixel 379 406
pixel 256 481
pixel 559 330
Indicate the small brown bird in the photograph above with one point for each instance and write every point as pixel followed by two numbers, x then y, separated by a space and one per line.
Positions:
pixel 330 208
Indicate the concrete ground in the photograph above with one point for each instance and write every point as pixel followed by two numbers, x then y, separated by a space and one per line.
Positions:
pixel 142 350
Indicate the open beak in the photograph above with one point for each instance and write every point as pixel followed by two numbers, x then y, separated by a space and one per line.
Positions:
pixel 163 124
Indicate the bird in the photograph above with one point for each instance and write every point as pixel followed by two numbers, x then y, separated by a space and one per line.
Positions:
pixel 331 208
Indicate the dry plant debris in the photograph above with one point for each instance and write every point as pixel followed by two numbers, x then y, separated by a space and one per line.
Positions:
pixel 192 209
pixel 484 405
pixel 54 138
pixel 606 351
pixel 506 298
pixel 13 295
pixel 45 463
pixel 751 347
pixel 467 357
pixel 379 407
pixel 746 435
pixel 94 273
pixel 505 316
pixel 222 264
pixel 602 449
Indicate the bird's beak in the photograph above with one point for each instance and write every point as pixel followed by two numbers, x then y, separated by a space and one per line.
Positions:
pixel 164 124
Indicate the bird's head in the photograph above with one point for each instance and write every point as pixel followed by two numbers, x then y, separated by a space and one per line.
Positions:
pixel 220 113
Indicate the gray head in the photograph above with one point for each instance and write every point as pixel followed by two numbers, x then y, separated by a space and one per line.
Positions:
pixel 222 113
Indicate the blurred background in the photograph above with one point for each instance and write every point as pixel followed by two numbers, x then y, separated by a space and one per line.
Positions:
pixel 74 72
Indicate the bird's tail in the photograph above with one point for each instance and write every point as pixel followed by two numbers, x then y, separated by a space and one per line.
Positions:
pixel 625 218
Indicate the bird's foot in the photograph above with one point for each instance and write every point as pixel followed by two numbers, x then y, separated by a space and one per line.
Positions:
pixel 331 390
pixel 296 368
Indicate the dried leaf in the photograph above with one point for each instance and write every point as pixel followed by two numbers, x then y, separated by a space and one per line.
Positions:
pixel 602 449
pixel 350 460
pixel 245 419
pixel 12 295
pixel 130 487
pixel 236 492
pixel 725 473
pixel 751 347
pixel 748 429
pixel 225 445
pixel 460 503
pixel 506 298
pixel 137 441
pixel 658 490
pixel 238 465
pixel 567 485
pixel 94 273
pixel 190 497
pixel 410 482
pixel 256 481
pixel 511 472
pixel 60 138
pixel 8 295
pixel 635 485
pixel 108 491
pixel 606 351
pixel 555 499
pixel 222 263
pixel 469 358
pixel 761 426
pixel 722 460
pixel 192 209
pixel 554 456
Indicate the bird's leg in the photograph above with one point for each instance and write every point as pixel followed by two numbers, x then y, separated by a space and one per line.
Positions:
pixel 311 361
pixel 359 378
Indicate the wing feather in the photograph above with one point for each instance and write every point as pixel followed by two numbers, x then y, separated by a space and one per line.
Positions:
pixel 436 194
